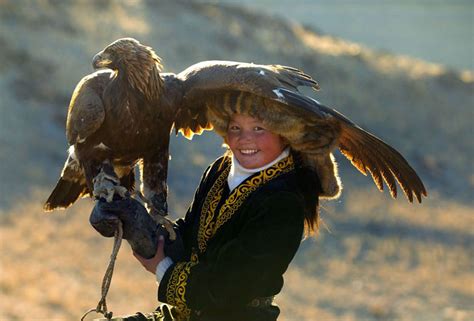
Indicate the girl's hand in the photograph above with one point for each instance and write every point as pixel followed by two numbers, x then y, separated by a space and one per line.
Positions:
pixel 151 264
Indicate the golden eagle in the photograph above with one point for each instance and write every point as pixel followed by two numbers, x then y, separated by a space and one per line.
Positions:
pixel 118 117
pixel 123 115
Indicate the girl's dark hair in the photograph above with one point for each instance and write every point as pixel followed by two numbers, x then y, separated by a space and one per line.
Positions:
pixel 311 221
pixel 311 185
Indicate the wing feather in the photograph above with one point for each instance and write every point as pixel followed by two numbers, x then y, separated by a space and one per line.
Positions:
pixel 86 110
pixel 202 81
pixel 365 151
pixel 368 152
pixel 208 86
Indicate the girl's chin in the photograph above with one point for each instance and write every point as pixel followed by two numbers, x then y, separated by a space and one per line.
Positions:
pixel 249 163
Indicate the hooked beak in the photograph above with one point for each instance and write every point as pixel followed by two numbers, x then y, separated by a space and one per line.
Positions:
pixel 101 60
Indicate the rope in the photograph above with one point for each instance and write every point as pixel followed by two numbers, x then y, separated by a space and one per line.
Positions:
pixel 102 305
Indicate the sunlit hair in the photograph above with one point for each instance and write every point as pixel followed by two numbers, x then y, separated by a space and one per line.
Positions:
pixel 311 214
pixel 311 224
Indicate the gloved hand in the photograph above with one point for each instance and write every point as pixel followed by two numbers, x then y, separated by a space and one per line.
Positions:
pixel 139 228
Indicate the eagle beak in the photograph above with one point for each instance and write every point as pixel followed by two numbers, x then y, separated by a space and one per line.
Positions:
pixel 101 60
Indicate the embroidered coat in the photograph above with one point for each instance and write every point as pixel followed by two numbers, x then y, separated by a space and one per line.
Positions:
pixel 238 244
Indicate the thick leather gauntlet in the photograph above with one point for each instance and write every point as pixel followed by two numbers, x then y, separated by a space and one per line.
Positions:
pixel 139 228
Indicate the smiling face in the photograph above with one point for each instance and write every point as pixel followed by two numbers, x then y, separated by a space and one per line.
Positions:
pixel 252 144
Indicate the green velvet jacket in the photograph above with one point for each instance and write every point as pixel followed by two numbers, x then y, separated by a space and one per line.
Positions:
pixel 238 244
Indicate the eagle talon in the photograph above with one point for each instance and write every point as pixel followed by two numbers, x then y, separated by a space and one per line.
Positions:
pixel 106 186
pixel 162 220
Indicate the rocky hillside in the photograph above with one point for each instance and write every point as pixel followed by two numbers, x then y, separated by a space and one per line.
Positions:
pixel 424 110
pixel 374 259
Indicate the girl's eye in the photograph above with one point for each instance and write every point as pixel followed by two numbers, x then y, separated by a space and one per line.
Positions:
pixel 258 128
pixel 233 127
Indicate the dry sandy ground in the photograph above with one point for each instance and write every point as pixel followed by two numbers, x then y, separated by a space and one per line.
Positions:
pixel 380 259
pixel 410 263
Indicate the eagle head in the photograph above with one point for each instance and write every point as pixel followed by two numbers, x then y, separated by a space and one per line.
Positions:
pixel 138 64
pixel 123 52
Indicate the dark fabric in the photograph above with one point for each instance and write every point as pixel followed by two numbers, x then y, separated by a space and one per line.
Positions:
pixel 246 256
pixel 163 313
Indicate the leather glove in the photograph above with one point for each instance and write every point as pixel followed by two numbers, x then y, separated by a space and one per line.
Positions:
pixel 139 228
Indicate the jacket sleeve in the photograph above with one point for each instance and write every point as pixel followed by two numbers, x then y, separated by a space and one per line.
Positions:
pixel 245 267
pixel 183 225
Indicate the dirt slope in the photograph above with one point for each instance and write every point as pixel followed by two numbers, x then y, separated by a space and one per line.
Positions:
pixel 377 259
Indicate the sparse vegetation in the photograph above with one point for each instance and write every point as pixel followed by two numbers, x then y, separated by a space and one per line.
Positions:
pixel 406 263
pixel 378 259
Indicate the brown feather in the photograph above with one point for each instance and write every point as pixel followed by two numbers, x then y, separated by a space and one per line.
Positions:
pixel 270 92
pixel 370 153
pixel 207 94
pixel 246 82
pixel 117 117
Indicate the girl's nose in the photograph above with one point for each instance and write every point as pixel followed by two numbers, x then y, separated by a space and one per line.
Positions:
pixel 246 135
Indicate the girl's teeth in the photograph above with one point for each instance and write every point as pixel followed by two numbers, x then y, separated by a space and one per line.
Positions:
pixel 248 151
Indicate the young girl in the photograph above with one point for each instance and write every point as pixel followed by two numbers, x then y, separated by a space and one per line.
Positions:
pixel 241 231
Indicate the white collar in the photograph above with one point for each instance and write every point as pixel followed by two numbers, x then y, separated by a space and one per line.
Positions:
pixel 238 173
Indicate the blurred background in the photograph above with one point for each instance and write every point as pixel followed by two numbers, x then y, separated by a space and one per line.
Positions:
pixel 402 69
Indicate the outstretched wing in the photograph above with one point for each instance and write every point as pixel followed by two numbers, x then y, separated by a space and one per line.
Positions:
pixel 86 110
pixel 215 89
pixel 366 152
pixel 370 154
pixel 205 82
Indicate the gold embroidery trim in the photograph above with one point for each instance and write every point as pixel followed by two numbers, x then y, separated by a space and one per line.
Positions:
pixel 194 257
pixel 176 290
pixel 206 224
pixel 207 227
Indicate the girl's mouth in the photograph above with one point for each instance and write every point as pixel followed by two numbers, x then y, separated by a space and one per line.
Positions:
pixel 248 151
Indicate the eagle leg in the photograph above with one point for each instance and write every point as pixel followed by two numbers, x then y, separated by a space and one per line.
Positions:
pixel 159 211
pixel 154 173
pixel 162 220
pixel 107 184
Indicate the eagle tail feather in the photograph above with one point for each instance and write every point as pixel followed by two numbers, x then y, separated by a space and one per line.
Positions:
pixel 64 194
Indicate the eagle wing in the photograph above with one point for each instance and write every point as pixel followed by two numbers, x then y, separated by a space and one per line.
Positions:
pixel 86 111
pixel 366 152
pixel 370 154
pixel 204 80
pixel 210 87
